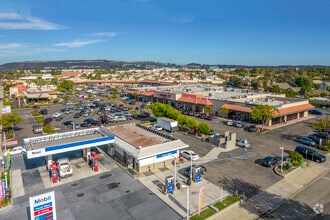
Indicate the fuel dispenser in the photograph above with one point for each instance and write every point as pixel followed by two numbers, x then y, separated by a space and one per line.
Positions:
pixel 169 185
pixel 54 172
pixel 196 174
pixel 95 159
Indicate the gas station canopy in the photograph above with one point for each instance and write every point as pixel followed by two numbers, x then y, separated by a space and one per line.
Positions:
pixel 67 141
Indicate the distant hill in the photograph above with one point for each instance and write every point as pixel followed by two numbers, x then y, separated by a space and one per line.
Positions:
pixel 81 64
pixel 111 64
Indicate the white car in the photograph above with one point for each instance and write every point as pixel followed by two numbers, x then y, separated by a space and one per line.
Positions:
pixel 189 155
pixel 239 124
pixel 64 167
pixel 16 150
pixel 242 143
pixel 230 123
pixel 56 114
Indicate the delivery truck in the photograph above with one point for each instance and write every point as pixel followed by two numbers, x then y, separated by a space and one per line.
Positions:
pixel 168 124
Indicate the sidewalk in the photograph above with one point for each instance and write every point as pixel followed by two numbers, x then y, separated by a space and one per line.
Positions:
pixel 272 197
pixel 178 200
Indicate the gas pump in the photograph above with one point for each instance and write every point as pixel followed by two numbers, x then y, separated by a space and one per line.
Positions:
pixel 95 161
pixel 196 174
pixel 54 172
pixel 169 185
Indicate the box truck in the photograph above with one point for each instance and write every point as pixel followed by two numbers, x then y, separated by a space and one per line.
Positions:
pixel 168 124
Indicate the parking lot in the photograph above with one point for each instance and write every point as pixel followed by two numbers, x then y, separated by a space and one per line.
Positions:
pixel 240 168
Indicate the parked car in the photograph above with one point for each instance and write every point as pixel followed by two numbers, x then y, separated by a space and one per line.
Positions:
pixel 85 124
pixel 56 114
pixel 37 129
pixel 310 154
pixel 47 121
pixel 230 123
pixel 77 115
pixel 74 126
pixel 239 124
pixel 250 128
pixel 189 155
pixel 242 142
pixel 306 140
pixel 16 150
pixel 317 140
pixel 322 135
pixel 64 167
pixel 43 111
pixel 269 161
pixel 67 123
pixel 315 112
pixel 203 169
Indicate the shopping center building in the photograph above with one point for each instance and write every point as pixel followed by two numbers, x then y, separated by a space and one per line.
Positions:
pixel 238 102
pixel 144 149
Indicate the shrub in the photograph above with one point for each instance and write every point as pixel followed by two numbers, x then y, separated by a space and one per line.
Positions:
pixel 35 113
pixel 39 119
pixel 295 158
pixel 49 129
pixel 324 147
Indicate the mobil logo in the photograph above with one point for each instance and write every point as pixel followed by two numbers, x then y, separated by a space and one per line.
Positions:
pixel 42 200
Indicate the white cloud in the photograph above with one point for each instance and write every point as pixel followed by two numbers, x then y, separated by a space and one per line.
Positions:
pixel 106 34
pixel 77 43
pixel 10 46
pixel 16 21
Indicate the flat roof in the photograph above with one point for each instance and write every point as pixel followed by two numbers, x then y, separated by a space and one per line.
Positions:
pixel 67 141
pixel 136 135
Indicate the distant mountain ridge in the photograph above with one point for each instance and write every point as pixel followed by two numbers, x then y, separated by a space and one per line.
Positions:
pixel 112 64
pixel 81 64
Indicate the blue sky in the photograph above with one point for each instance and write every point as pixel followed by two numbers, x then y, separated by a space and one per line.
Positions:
pixel 254 32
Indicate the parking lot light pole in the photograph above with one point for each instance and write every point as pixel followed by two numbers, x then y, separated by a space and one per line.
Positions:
pixel 190 176
pixel 186 186
pixel 282 148
pixel 5 141
pixel 174 171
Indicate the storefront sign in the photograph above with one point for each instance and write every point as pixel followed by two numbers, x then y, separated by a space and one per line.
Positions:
pixel 42 207
pixel 166 154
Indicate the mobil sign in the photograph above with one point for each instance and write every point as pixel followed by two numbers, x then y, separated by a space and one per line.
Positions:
pixel 42 207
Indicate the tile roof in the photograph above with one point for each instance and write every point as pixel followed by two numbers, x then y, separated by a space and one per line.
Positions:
pixel 144 93
pixel 237 108
pixel 293 109
pixel 194 99
pixel 70 74
pixel 281 112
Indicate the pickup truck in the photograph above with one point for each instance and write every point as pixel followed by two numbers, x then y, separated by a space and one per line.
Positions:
pixel 64 167
pixel 242 142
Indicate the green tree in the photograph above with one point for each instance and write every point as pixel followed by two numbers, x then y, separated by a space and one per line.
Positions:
pixel 191 123
pixel 262 113
pixel 209 109
pixel 224 111
pixel 204 128
pixel 322 124
pixel 65 85
pixel 305 84
pixel 10 119
pixel 295 158
pixel 49 129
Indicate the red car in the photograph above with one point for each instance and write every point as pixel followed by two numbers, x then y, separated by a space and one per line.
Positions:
pixel 209 117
